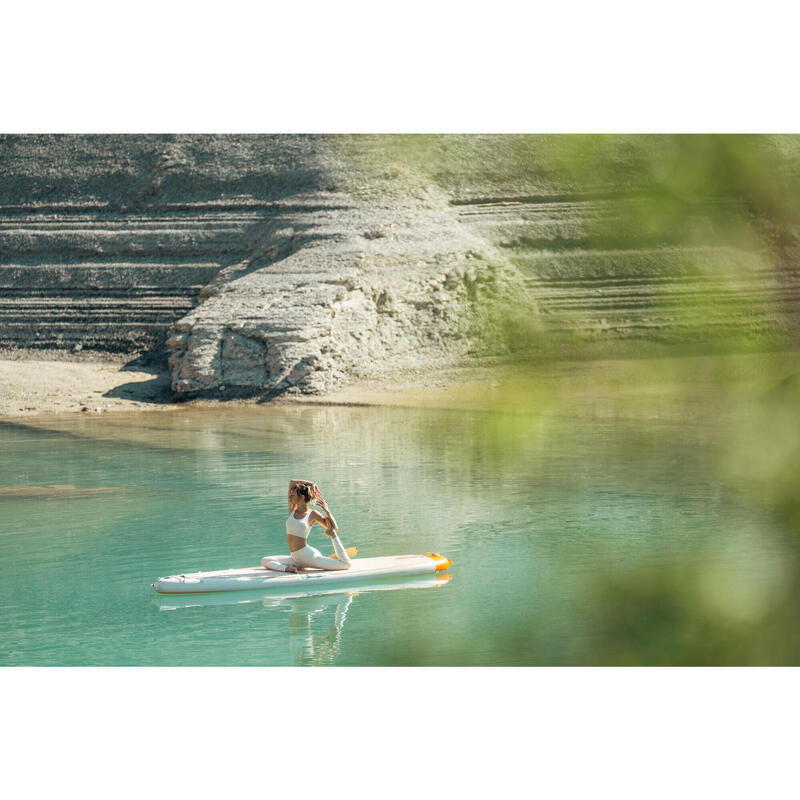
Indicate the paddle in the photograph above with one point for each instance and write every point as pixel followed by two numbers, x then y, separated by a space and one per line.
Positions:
pixel 351 551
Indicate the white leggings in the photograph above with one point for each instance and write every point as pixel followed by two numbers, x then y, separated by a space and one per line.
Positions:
pixel 310 557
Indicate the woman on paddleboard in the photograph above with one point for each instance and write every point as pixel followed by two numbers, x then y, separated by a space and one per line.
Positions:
pixel 298 527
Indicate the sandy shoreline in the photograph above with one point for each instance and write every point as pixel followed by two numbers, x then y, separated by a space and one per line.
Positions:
pixel 32 387
pixel 29 387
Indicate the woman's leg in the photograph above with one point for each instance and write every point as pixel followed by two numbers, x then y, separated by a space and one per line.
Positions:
pixel 311 557
pixel 341 553
pixel 278 563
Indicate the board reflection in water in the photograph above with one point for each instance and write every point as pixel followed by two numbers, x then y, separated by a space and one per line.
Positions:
pixel 310 613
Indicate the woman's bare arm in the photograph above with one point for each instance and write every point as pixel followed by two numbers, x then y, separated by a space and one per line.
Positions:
pixel 328 522
pixel 319 519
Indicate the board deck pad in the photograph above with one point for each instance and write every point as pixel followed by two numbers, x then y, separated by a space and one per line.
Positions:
pixel 246 578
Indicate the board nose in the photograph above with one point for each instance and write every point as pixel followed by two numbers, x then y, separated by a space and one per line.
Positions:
pixel 442 562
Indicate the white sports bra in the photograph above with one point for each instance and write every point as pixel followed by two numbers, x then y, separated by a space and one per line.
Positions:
pixel 299 527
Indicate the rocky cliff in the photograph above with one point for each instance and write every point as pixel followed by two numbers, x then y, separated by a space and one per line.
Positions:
pixel 272 264
pixel 107 240
pixel 373 275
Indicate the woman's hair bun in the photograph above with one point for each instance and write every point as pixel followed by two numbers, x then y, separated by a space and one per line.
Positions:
pixel 304 491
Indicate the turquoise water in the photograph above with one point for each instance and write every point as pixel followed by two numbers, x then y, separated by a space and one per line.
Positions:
pixel 574 541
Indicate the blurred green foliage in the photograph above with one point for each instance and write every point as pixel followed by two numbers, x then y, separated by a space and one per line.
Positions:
pixel 744 187
pixel 702 234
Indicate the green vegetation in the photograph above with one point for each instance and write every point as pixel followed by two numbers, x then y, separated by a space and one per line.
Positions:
pixel 667 271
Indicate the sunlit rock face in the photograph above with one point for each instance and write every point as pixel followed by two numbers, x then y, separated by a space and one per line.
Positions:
pixel 368 286
pixel 265 263
pixel 368 273
pixel 274 264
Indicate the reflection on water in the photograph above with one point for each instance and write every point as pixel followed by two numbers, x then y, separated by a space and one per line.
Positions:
pixel 311 613
pixel 650 533
pixel 308 647
pixel 52 491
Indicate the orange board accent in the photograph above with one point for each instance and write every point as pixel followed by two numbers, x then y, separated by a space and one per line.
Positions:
pixel 441 561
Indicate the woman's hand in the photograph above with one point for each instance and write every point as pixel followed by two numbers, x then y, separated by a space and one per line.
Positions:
pixel 331 527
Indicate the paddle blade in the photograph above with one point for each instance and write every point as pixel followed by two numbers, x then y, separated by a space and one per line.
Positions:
pixel 351 551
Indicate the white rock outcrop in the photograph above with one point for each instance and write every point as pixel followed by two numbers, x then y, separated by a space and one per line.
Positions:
pixel 366 286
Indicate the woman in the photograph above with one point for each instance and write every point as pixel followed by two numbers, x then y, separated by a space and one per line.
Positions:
pixel 298 526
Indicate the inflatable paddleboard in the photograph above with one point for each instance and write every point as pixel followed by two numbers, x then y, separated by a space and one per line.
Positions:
pixel 289 596
pixel 248 578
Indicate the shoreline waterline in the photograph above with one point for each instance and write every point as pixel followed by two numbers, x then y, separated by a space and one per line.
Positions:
pixel 33 389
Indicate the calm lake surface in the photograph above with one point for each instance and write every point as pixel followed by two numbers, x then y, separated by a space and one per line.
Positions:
pixel 574 540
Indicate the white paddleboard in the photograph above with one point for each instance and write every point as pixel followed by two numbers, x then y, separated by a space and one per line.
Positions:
pixel 237 580
pixel 291 595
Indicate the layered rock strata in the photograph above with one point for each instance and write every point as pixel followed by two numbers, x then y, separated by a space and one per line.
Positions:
pixel 646 290
pixel 274 264
pixel 105 241
pixel 111 281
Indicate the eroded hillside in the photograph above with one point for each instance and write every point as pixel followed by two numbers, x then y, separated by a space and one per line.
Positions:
pixel 260 265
